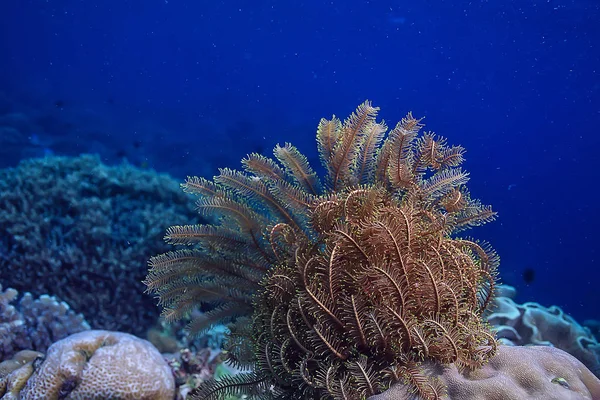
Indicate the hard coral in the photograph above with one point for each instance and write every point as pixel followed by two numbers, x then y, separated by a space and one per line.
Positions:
pixel 80 230
pixel 27 323
pixel 531 323
pixel 101 365
pixel 515 373
pixel 350 284
pixel 15 372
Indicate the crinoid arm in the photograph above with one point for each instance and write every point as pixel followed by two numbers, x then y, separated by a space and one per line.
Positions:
pixel 336 287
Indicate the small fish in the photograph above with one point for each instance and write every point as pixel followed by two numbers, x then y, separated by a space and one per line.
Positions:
pixel 529 275
pixel 561 381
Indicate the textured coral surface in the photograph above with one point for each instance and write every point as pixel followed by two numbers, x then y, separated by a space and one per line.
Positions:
pixel 531 323
pixel 516 373
pixel 15 372
pixel 101 365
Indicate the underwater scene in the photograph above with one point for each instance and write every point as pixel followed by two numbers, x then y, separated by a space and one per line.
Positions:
pixel 332 200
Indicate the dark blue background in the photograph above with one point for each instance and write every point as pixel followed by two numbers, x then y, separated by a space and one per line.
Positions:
pixel 190 86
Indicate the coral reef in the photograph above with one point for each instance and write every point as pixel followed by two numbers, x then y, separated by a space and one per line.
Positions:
pixel 523 373
pixel 337 289
pixel 100 365
pixel 170 337
pixel 193 359
pixel 192 368
pixel 530 323
pixel 34 324
pixel 82 231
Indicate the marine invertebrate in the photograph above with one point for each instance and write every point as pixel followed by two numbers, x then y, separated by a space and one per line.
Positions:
pixel 337 289
pixel 15 372
pixel 533 324
pixel 34 324
pixel 101 365
pixel 516 372
pixel 77 229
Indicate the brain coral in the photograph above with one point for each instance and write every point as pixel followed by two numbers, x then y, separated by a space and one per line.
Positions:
pixel 101 365
pixel 82 231
pixel 15 372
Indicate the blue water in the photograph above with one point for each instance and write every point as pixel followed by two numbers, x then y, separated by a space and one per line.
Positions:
pixel 186 87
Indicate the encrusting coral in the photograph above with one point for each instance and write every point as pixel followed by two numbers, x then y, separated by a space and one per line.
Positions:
pixel 337 289
pixel 533 324
pixel 515 373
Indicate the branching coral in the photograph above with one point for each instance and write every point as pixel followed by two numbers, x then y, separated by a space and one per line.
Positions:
pixel 82 231
pixel 337 289
pixel 34 324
